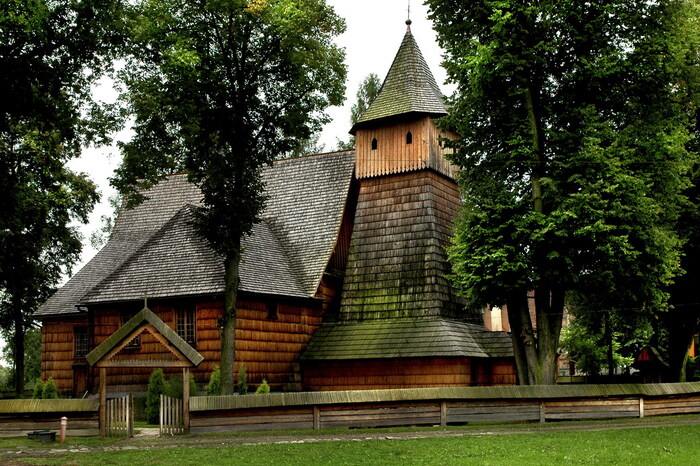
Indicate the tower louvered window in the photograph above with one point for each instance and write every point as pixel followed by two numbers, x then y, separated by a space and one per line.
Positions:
pixel 374 144
pixel 409 138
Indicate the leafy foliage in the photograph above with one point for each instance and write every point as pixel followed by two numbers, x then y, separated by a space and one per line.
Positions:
pixel 214 386
pixel 366 93
pixel 32 353
pixel 49 391
pixel 50 54
pixel 173 387
pixel 263 388
pixel 574 120
pixel 156 386
pixel 242 382
pixel 38 389
pixel 219 89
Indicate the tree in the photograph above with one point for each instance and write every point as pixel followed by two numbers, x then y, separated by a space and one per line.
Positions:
pixel 32 353
pixel 219 89
pixel 573 159
pixel 366 93
pixel 50 53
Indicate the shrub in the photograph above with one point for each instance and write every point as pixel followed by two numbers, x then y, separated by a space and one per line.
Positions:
pixel 38 389
pixel 242 385
pixel 49 392
pixel 263 388
pixel 156 386
pixel 214 386
pixel 174 387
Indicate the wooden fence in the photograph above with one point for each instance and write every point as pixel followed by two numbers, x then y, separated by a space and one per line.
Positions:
pixel 18 417
pixel 172 418
pixel 120 417
pixel 439 406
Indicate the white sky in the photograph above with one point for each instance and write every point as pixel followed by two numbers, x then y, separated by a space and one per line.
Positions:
pixel 375 29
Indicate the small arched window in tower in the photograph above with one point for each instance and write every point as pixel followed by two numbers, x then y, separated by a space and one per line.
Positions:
pixel 409 138
pixel 374 144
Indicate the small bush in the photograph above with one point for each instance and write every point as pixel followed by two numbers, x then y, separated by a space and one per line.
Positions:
pixel 263 388
pixel 49 392
pixel 242 384
pixel 174 387
pixel 38 392
pixel 214 386
pixel 156 386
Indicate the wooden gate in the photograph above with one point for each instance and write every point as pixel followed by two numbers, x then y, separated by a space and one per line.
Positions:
pixel 172 416
pixel 119 419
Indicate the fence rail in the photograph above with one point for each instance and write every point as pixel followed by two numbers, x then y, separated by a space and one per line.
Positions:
pixel 18 417
pixel 439 406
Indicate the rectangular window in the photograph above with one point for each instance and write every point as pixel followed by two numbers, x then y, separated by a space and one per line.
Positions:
pixel 82 345
pixel 186 324
pixel 136 342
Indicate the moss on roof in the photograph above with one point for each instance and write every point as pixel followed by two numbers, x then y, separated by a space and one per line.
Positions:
pixel 409 87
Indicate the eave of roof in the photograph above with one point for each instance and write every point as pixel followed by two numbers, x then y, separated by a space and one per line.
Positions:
pixel 406 338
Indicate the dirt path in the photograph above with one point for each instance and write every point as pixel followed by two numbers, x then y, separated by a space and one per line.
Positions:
pixel 148 439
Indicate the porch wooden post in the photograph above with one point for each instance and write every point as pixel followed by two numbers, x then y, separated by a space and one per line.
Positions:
pixel 186 398
pixel 103 401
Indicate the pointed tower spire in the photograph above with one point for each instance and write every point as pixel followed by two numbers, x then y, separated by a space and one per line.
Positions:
pixel 409 87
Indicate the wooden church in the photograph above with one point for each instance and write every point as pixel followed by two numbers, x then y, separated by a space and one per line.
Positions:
pixel 342 282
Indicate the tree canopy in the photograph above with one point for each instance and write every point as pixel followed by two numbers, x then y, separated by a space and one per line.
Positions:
pixel 219 89
pixel 50 53
pixel 574 120
pixel 366 93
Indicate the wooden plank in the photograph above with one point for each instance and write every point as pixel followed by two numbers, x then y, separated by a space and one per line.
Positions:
pixel 231 421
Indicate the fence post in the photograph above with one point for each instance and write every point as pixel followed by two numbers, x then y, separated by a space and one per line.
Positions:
pixel 641 408
pixel 160 414
pixel 186 399
pixel 443 413
pixel 542 413
pixel 103 402
pixel 317 417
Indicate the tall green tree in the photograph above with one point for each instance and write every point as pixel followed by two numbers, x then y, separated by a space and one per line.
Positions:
pixel 573 159
pixel 50 53
pixel 366 93
pixel 219 88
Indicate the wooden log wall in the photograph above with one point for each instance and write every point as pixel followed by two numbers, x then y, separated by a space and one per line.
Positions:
pixel 268 347
pixel 394 155
pixel 404 373
pixel 58 356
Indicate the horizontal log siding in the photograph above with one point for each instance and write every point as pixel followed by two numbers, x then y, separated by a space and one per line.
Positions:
pixel 403 373
pixel 268 347
pixel 58 351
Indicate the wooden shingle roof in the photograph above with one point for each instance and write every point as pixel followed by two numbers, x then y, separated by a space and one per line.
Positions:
pixel 154 249
pixel 406 338
pixel 409 88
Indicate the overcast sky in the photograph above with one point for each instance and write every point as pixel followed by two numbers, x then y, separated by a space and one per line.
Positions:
pixel 374 32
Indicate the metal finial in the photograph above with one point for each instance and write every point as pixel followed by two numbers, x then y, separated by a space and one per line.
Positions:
pixel 145 300
pixel 408 15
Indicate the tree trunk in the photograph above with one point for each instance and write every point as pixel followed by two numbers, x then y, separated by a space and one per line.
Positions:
pixel 228 334
pixel 523 338
pixel 19 347
pixel 681 325
pixel 610 350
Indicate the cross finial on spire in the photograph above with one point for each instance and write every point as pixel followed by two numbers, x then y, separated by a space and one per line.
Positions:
pixel 408 20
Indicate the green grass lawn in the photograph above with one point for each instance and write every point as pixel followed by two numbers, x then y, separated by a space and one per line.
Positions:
pixel 667 445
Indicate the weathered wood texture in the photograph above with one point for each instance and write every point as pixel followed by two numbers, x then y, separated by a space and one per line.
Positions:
pixel 268 346
pixel 438 406
pixel 397 262
pixel 405 373
pixel 394 155
pixel 18 417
